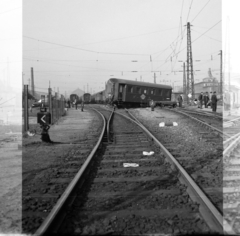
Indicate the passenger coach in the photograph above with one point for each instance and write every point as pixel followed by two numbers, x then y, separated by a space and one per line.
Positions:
pixel 127 93
pixel 86 97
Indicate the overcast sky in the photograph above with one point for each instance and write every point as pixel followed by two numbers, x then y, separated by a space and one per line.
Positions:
pixel 73 43
pixel 78 43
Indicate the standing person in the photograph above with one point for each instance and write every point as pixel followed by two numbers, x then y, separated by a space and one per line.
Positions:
pixel 75 102
pixel 214 102
pixel 69 105
pixel 180 100
pixel 206 99
pixel 200 98
pixel 210 99
pixel 82 105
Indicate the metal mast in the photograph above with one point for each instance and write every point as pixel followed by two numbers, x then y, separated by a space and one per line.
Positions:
pixel 190 78
pixel 32 82
pixel 184 82
pixel 221 75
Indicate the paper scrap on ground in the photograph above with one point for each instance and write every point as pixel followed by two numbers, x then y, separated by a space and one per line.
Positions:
pixel 162 124
pixel 130 165
pixel 175 124
pixel 148 153
pixel 31 134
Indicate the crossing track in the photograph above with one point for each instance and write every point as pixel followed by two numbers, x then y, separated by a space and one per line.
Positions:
pixel 215 128
pixel 231 177
pixel 158 196
pixel 202 112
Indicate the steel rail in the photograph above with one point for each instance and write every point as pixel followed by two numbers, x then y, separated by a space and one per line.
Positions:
pixel 204 112
pixel 230 121
pixel 228 150
pixel 47 223
pixel 209 126
pixel 215 219
pixel 108 125
pixel 227 142
pixel 200 113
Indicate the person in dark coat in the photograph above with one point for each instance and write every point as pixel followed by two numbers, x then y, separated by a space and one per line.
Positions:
pixel 200 98
pixel 180 100
pixel 69 105
pixel 206 99
pixel 214 102
pixel 210 99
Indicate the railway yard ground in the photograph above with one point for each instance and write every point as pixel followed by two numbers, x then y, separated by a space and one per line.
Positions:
pixel 48 168
pixel 74 136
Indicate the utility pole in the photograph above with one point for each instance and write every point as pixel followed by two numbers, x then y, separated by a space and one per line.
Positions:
pixel 190 78
pixel 32 81
pixel 184 81
pixel 154 78
pixel 221 78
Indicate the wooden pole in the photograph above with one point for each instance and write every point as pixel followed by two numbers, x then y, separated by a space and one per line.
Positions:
pixel 50 103
pixel 26 125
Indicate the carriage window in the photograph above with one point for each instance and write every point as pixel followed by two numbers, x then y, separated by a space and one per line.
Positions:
pixel 130 89
pixel 138 90
pixel 167 93
pixel 160 92
pixel 145 91
pixel 152 91
pixel 120 88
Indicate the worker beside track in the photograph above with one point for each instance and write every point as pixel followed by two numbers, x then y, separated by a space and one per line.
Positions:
pixel 82 105
pixel 214 102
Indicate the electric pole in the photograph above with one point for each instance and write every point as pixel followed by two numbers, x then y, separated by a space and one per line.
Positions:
pixel 154 78
pixel 184 82
pixel 221 78
pixel 190 78
pixel 32 78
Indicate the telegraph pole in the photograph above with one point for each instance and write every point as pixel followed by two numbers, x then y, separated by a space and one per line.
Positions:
pixel 154 78
pixel 184 82
pixel 190 78
pixel 32 82
pixel 221 78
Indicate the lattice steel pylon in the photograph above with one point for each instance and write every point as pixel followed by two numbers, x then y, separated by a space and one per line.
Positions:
pixel 190 78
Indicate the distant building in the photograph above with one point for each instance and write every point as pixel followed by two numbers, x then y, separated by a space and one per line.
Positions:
pixel 208 84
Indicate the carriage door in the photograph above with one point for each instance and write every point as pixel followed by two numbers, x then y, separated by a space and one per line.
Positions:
pixel 122 91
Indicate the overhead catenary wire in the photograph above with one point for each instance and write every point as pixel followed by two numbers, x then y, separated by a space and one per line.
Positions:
pixel 200 11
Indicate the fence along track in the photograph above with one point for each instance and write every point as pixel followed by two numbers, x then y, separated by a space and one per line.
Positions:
pixel 212 216
pixel 51 219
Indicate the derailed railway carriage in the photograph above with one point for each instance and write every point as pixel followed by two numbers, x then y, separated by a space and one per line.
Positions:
pixel 127 93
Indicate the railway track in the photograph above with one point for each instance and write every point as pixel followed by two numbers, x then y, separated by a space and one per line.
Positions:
pixel 129 192
pixel 202 112
pixel 50 183
pixel 231 170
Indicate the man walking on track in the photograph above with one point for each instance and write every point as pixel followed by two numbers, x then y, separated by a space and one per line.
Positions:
pixel 214 102
pixel 180 100
pixel 75 102
pixel 82 105
pixel 200 98
pixel 206 99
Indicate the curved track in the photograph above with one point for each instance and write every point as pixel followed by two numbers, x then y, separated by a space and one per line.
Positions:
pixel 165 198
pixel 110 185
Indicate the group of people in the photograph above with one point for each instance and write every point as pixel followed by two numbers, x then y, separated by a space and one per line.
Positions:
pixel 208 100
pixel 75 103
pixel 204 99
